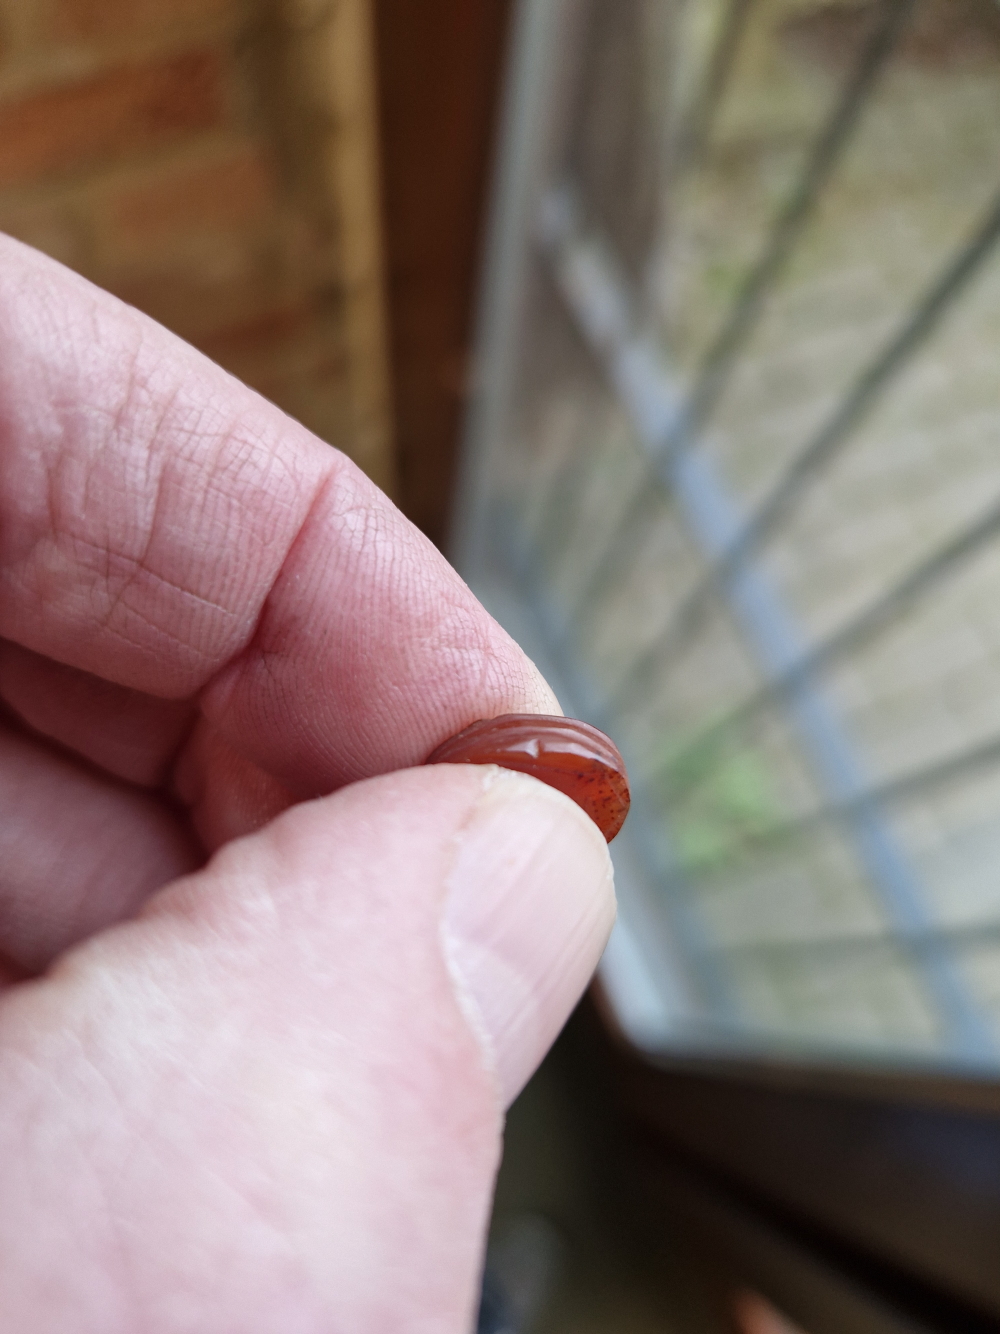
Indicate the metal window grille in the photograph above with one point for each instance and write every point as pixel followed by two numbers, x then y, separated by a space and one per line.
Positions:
pixel 733 478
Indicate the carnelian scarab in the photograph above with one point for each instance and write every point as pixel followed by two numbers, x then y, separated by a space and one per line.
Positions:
pixel 563 752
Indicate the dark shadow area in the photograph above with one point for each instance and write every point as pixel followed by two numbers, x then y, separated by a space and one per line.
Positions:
pixel 439 71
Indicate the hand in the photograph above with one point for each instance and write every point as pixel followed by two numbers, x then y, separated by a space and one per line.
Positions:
pixel 263 1091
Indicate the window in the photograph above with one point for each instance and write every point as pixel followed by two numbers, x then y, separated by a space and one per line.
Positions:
pixel 734 480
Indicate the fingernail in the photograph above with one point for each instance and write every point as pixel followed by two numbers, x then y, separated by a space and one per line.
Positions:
pixel 529 909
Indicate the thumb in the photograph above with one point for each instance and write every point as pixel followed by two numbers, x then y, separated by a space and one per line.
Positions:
pixel 274 1099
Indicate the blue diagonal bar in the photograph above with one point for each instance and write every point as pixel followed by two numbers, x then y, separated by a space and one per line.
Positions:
pixel 587 278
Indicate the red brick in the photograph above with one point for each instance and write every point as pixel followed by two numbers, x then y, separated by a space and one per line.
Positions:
pixel 73 20
pixel 126 110
pixel 223 194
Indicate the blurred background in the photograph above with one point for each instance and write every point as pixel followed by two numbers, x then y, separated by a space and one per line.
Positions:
pixel 676 323
pixel 294 186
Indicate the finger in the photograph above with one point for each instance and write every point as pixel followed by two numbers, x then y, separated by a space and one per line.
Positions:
pixel 268 1103
pixel 225 794
pixel 130 734
pixel 76 852
pixel 369 652
pixel 147 500
pixel 160 523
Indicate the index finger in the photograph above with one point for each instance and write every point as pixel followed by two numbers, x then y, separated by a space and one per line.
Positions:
pixel 165 528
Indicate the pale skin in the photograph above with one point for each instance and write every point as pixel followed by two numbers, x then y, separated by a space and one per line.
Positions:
pixel 265 987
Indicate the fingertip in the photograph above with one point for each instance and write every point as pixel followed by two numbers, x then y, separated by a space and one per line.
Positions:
pixel 530 907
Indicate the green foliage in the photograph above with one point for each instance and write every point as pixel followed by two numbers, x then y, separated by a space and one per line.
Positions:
pixel 718 797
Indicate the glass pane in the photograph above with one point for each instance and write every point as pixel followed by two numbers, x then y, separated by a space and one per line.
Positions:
pixel 733 478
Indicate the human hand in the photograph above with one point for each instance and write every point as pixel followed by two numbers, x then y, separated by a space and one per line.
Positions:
pixel 262 1091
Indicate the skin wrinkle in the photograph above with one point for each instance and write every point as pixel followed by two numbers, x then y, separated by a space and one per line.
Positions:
pixel 63 494
pixel 131 565
pixel 126 420
pixel 69 419
pixel 139 563
pixel 134 381
pixel 263 602
pixel 157 487
pixel 135 565
pixel 121 635
pixel 35 297
pixel 252 648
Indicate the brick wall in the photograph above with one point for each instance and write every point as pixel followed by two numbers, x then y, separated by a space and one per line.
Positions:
pixel 214 163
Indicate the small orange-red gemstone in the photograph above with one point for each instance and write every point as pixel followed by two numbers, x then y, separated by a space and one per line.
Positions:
pixel 563 752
